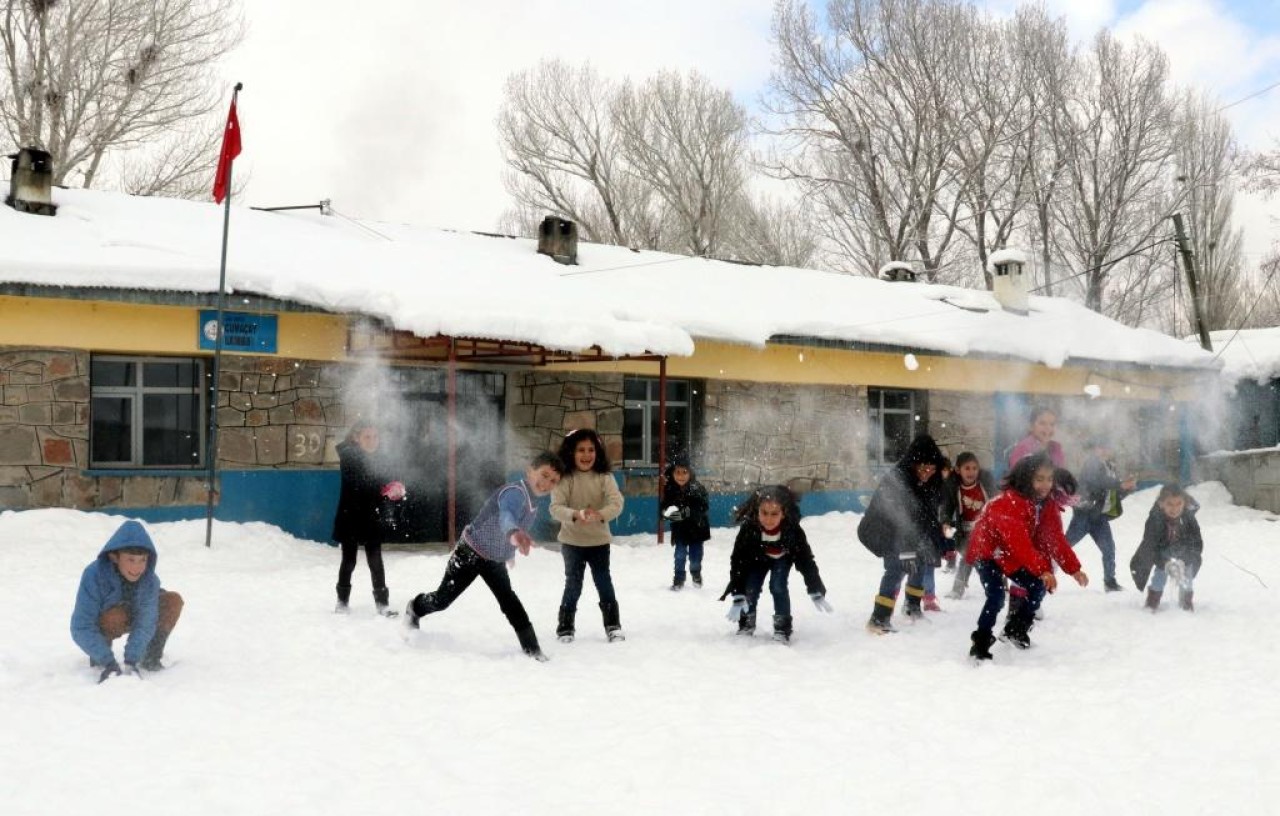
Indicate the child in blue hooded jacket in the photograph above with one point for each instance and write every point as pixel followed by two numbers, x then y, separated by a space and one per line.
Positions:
pixel 120 592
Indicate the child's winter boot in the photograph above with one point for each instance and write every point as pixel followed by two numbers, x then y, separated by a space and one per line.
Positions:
pixel 931 603
pixel 914 597
pixel 1015 632
pixel 382 600
pixel 1185 600
pixel 747 623
pixel 697 577
pixel 564 624
pixel 782 628
pixel 982 640
pixel 1153 599
pixel 344 598
pixel 411 615
pixel 677 583
pixel 612 624
pixel 155 651
pixel 880 615
pixel 529 643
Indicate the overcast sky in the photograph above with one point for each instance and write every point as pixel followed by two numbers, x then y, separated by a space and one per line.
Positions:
pixel 387 108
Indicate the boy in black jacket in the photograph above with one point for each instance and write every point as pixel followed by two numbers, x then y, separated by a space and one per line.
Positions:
pixel 1101 491
pixel 770 542
pixel 1172 547
pixel 685 506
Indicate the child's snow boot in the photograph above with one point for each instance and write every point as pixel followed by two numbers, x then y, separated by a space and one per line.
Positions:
pixel 612 625
pixel 529 643
pixel 344 598
pixel 677 583
pixel 382 600
pixel 782 628
pixel 982 640
pixel 1015 632
pixel 1153 599
pixel 747 623
pixel 411 616
pixel 912 609
pixel 880 615
pixel 930 603
pixel 1112 585
pixel 564 624
pixel 155 651
pixel 1185 600
pixel 697 577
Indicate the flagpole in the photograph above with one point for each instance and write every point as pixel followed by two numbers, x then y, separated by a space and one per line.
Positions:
pixel 212 444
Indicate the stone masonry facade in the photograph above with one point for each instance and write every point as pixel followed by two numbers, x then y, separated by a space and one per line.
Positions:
pixel 272 413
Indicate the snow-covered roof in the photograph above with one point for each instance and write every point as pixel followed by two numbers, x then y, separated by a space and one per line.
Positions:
pixel 430 281
pixel 1252 354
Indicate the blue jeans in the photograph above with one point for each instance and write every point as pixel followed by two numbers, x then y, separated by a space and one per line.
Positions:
pixel 777 571
pixel 894 572
pixel 993 581
pixel 691 551
pixel 926 580
pixel 1099 527
pixel 1159 577
pixel 576 560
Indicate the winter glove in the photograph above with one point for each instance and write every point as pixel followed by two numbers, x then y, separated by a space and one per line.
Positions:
pixel 394 491
pixel 736 609
pixel 674 513
pixel 111 668
pixel 820 601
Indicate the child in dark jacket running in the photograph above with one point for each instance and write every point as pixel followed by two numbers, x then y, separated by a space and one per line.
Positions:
pixel 1101 491
pixel 1019 537
pixel 770 542
pixel 685 506
pixel 493 537
pixel 1172 547
pixel 967 492
pixel 901 526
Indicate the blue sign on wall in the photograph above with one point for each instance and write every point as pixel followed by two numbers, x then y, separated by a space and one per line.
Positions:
pixel 242 331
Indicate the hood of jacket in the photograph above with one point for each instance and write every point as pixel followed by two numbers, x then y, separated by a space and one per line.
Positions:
pixel 131 534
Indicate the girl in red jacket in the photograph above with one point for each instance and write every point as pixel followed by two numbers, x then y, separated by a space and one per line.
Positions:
pixel 1019 536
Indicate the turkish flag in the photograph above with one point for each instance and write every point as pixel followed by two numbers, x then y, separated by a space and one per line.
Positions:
pixel 230 149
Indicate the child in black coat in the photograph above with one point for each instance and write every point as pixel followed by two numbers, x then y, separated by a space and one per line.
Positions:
pixel 1172 547
pixel 685 506
pixel 769 543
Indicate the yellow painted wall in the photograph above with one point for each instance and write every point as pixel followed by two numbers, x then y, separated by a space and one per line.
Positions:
pixel 127 328
pixel 826 366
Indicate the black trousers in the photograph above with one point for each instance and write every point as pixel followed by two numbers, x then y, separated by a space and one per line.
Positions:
pixel 372 554
pixel 465 565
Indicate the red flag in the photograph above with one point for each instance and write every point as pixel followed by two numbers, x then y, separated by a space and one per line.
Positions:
pixel 230 149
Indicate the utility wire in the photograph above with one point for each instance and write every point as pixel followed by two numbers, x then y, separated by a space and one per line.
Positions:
pixel 1253 95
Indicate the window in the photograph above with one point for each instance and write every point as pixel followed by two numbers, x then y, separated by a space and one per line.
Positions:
pixel 894 419
pixel 640 420
pixel 147 412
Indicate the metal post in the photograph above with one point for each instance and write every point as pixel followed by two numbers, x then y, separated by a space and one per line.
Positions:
pixel 211 451
pixel 1189 261
pixel 451 439
pixel 662 435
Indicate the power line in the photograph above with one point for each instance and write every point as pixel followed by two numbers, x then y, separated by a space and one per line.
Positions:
pixel 1253 95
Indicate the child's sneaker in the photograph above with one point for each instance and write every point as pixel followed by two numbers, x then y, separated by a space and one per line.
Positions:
pixel 879 627
pixel 931 603
pixel 341 608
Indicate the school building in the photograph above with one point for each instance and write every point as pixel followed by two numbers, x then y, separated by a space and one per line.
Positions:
pixel 473 351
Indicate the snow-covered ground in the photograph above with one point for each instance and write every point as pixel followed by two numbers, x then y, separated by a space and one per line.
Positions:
pixel 274 705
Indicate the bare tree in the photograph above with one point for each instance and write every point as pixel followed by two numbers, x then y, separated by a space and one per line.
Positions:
pixel 768 231
pixel 1117 142
pixel 687 140
pixel 117 90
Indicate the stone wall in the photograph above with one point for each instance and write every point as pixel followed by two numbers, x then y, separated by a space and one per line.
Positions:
pixel 272 413
pixel 807 437
pixel 960 421
pixel 1252 477
pixel 542 407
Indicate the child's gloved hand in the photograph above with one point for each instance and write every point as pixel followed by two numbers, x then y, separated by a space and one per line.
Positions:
pixel 737 608
pixel 111 668
pixel 394 491
pixel 675 513
pixel 820 601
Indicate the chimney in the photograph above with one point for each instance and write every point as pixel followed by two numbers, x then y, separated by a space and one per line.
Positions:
pixel 558 237
pixel 1008 283
pixel 900 271
pixel 31 182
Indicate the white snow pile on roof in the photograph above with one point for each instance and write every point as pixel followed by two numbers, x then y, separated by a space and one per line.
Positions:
pixel 430 281
pixel 1252 354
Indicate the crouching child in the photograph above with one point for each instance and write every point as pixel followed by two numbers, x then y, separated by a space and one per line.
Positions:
pixel 1172 547
pixel 120 593
pixel 1018 537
